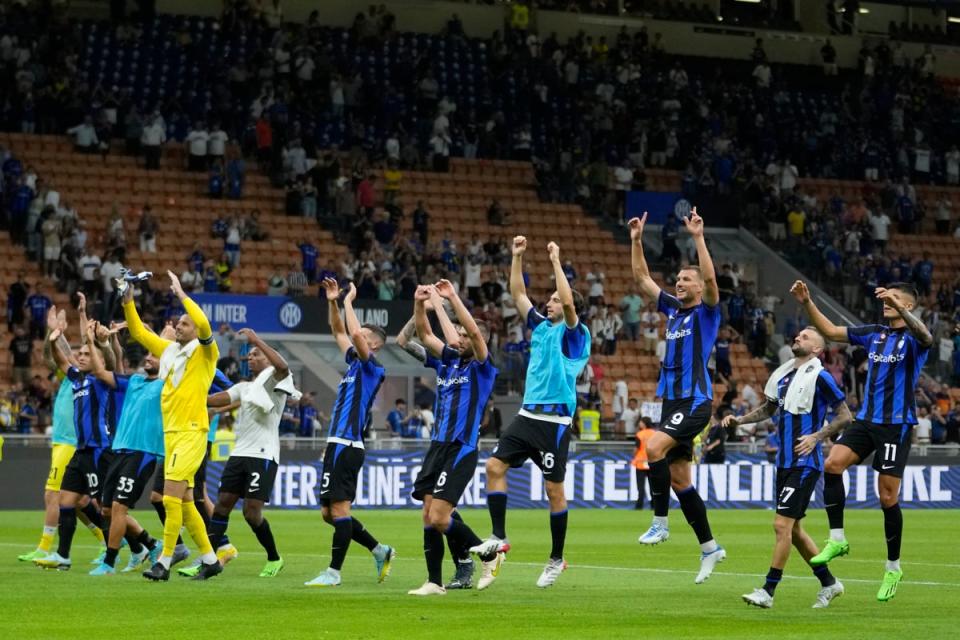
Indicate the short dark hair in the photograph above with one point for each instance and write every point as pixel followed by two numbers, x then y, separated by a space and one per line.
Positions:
pixel 905 287
pixel 484 329
pixel 380 333
pixel 400 401
pixel 577 301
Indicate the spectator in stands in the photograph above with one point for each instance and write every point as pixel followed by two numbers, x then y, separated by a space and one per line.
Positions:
pixel 829 57
pixel 196 146
pixel 231 243
pixel 276 285
pixel 147 229
pixel 132 131
pixel 192 280
pixel 714 450
pixel 51 229
pixel 16 299
pixel 879 225
pixel 296 280
pixel 627 421
pixel 631 305
pixel 236 175
pixel 22 349
pixel 85 136
pixel 217 143
pixel 398 420
pixel 211 280
pixel 90 274
pixel 223 269
pixel 225 338
pixel 595 279
pixel 152 139
pixel 215 180
pixel 650 325
pixel 38 304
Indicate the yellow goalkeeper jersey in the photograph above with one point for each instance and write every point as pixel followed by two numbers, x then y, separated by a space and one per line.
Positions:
pixel 187 370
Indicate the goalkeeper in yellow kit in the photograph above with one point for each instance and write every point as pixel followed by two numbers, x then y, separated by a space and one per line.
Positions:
pixel 187 366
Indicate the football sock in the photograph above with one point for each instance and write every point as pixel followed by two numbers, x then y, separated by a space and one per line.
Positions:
pixel 834 500
pixel 497 504
pixel 218 527
pixel 98 525
pixel 195 527
pixel 558 533
pixel 458 554
pixel 824 576
pixel 162 514
pixel 696 513
pixel 133 543
pixel 146 540
pixel 342 532
pixel 265 538
pixel 659 480
pixel 433 553
pixel 461 536
pixel 361 536
pixel 773 579
pixel 68 525
pixel 172 524
pixel 110 557
pixel 46 539
pixel 893 528
pixel 202 510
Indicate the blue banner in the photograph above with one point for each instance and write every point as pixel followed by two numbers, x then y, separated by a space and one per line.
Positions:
pixel 599 480
pixel 657 204
pixel 264 314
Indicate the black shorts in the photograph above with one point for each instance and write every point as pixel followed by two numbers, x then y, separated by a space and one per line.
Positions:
pixel 249 478
pixel 199 478
pixel 341 467
pixel 683 422
pixel 546 443
pixel 127 478
pixel 86 471
pixel 795 487
pixel 890 444
pixel 447 469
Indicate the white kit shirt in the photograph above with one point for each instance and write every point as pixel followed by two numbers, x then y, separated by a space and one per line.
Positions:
pixel 258 431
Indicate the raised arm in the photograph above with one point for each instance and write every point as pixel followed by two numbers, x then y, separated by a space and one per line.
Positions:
pixel 52 324
pixel 58 356
pixel 828 329
pixel 407 343
pixel 638 262
pixel 332 289
pixel 204 331
pixel 450 333
pixel 151 341
pixel 353 325
pixel 97 366
pixel 280 368
pixel 115 328
pixel 82 311
pixel 711 293
pixel 101 337
pixel 564 292
pixel 431 343
pixel 914 324
pixel 477 340
pixel 518 290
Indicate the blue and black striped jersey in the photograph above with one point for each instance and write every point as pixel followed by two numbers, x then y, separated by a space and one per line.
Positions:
pixel 355 395
pixel 94 411
pixel 894 361
pixel 794 426
pixel 463 388
pixel 690 336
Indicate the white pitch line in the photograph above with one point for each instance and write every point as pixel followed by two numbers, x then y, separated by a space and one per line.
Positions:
pixel 597 567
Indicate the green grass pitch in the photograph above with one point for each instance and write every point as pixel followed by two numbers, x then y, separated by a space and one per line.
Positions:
pixel 613 588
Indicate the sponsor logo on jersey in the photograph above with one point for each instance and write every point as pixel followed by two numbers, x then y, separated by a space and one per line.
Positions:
pixel 677 335
pixel 452 381
pixel 876 357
